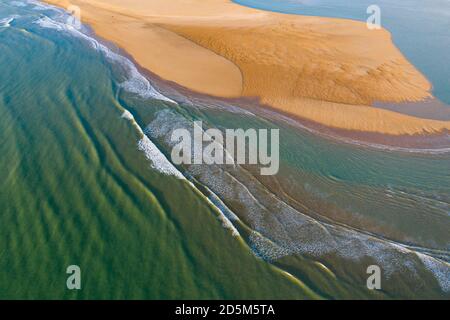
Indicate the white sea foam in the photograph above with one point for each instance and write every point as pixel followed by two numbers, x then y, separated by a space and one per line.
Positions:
pixel 224 214
pixel 441 270
pixel 153 154
pixel 266 249
pixel 157 159
pixel 135 83
pixel 6 22
pixel 161 127
pixel 280 229
pixel 39 6
pixel 289 230
pixel 127 115
pixel 18 4
pixel 158 129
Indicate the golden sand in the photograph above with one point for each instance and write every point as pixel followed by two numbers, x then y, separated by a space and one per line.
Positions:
pixel 325 70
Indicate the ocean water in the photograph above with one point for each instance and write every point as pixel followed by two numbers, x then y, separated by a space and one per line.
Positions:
pixel 86 179
pixel 420 29
pixel 75 187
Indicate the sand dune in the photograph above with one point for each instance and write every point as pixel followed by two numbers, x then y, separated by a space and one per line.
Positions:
pixel 324 70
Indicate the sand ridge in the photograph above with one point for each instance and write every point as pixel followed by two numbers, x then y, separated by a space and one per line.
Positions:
pixel 324 70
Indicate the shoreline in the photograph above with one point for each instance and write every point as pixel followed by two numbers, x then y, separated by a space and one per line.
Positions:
pixel 433 143
pixel 356 119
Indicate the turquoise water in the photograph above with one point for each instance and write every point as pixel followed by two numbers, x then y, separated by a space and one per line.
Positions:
pixel 420 29
pixel 86 180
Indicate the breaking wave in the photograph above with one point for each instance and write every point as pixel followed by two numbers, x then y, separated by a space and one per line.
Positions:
pixel 138 84
pixel 18 4
pixel 6 22
pixel 152 153
pixel 135 82
pixel 280 230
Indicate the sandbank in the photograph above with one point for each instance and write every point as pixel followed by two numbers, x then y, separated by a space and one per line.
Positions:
pixel 325 70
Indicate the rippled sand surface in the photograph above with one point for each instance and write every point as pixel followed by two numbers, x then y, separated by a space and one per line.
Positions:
pixel 329 71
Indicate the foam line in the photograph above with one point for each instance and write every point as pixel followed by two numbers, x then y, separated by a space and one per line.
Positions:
pixel 135 83
pixel 152 153
pixel 6 22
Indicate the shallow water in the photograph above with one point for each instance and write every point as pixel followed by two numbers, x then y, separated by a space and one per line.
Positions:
pixel 82 184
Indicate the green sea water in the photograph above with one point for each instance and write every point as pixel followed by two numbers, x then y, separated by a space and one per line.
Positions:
pixel 84 183
pixel 75 189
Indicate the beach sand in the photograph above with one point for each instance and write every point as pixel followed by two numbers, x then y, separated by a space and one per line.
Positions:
pixel 328 71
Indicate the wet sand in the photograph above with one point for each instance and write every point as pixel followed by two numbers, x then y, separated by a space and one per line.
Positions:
pixel 427 109
pixel 327 71
pixel 418 143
